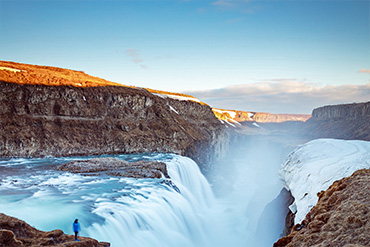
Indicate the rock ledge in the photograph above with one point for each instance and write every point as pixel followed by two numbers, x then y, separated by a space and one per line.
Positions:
pixel 116 167
pixel 15 232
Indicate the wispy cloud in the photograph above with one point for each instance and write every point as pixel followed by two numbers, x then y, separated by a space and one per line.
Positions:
pixel 364 71
pixel 134 54
pixel 282 96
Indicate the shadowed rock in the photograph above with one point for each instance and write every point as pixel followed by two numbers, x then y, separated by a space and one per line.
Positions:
pixel 39 120
pixel 340 218
pixel 116 167
pixel 15 232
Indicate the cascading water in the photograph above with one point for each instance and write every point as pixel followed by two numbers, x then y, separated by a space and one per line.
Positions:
pixel 131 212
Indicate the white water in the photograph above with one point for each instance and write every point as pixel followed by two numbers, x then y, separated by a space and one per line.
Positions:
pixel 145 212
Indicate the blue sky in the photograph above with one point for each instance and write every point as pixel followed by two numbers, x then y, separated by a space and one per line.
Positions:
pixel 272 55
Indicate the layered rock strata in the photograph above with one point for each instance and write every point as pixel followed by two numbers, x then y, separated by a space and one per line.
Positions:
pixel 39 120
pixel 116 167
pixel 15 232
pixel 259 117
pixel 340 218
pixel 347 121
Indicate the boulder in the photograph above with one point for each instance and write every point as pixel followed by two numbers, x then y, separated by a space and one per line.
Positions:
pixel 15 232
pixel 116 167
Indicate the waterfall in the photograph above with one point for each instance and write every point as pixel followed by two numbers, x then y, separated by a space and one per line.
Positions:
pixel 159 216
pixel 182 212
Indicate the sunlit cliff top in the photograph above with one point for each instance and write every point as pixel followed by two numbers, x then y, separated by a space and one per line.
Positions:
pixel 53 76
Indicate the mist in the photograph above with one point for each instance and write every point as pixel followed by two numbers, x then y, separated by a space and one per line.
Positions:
pixel 252 189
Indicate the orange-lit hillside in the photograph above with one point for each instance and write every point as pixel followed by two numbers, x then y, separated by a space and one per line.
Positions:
pixel 52 76
pixel 259 117
pixel 46 75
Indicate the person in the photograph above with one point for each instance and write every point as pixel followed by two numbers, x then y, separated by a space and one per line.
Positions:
pixel 76 229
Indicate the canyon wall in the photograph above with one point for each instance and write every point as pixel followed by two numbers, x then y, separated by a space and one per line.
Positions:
pixel 259 117
pixel 39 120
pixel 347 121
pixel 344 111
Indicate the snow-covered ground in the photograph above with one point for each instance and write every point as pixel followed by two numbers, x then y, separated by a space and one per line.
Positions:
pixel 178 97
pixel 314 166
pixel 232 114
pixel 11 69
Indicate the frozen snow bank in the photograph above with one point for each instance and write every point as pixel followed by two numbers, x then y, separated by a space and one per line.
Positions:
pixel 314 166
pixel 11 69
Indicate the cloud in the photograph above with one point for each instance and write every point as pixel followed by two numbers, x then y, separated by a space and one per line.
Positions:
pixel 282 96
pixel 134 54
pixel 364 71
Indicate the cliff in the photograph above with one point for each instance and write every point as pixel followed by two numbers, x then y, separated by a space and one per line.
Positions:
pixel 15 232
pixel 65 120
pixel 347 121
pixel 340 218
pixel 259 117
pixel 355 111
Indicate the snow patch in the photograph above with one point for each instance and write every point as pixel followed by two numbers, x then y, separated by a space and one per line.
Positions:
pixel 231 113
pixel 251 114
pixel 255 124
pixel 236 122
pixel 314 166
pixel 11 69
pixel 178 97
pixel 230 124
pixel 173 109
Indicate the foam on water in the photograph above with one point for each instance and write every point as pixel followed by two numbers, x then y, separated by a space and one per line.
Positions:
pixel 132 212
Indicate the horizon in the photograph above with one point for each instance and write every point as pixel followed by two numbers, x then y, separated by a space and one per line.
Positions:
pixel 264 56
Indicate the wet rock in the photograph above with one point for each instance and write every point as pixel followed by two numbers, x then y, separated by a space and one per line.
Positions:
pixel 15 232
pixel 171 184
pixel 340 218
pixel 116 167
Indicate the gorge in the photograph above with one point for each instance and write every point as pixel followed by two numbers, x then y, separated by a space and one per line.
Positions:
pixel 52 116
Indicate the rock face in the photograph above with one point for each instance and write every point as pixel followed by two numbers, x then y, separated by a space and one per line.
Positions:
pixel 340 218
pixel 116 167
pixel 259 117
pixel 349 121
pixel 39 120
pixel 15 232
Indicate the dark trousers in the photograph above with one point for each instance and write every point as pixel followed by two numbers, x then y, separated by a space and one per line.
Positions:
pixel 76 233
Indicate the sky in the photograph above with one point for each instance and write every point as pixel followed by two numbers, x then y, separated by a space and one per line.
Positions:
pixel 255 55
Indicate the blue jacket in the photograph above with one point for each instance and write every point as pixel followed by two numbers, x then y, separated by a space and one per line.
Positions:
pixel 76 227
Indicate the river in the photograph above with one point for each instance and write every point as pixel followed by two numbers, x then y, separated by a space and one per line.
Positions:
pixel 147 212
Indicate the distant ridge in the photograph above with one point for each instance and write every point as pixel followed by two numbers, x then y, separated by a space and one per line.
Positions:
pixel 259 117
pixel 29 74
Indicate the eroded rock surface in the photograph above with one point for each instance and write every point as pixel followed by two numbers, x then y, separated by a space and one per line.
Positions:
pixel 15 232
pixel 347 121
pixel 340 218
pixel 39 120
pixel 116 167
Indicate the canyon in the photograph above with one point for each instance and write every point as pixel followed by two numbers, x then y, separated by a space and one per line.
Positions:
pixel 64 120
pixel 48 111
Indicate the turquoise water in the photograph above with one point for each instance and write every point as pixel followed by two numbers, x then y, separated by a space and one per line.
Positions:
pixel 134 212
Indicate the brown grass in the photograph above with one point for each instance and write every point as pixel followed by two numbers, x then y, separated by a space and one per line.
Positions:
pixel 53 76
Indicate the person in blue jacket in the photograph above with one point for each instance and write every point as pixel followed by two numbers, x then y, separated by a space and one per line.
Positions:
pixel 76 229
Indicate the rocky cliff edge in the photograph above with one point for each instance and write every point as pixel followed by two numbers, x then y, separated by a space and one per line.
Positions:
pixel 340 218
pixel 15 232
pixel 65 120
